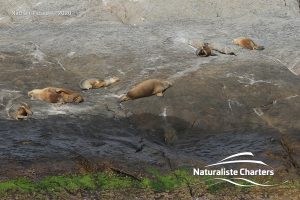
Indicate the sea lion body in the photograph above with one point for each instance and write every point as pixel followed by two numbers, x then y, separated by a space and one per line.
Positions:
pixel 20 112
pixel 247 43
pixel 48 94
pixel 91 84
pixel 204 50
pixel 94 83
pixel 147 88
pixel 56 95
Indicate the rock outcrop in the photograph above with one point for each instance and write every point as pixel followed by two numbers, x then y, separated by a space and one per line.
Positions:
pixel 217 106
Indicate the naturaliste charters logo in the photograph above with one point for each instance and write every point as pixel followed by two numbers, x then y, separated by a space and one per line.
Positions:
pixel 237 173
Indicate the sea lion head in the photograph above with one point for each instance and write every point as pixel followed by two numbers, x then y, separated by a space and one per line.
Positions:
pixel 167 84
pixel 205 44
pixel 235 41
pixel 30 93
pixel 33 93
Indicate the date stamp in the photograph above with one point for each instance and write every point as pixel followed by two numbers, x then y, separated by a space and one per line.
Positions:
pixel 44 13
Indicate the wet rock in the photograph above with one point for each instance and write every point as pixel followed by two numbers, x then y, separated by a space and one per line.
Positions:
pixel 217 106
pixel 219 101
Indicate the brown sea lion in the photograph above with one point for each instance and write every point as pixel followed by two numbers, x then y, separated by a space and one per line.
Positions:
pixel 94 83
pixel 91 84
pixel 48 94
pixel 204 50
pixel 147 88
pixel 56 95
pixel 207 49
pixel 20 112
pixel 247 43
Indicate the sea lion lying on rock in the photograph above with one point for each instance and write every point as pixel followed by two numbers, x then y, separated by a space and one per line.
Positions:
pixel 56 95
pixel 147 88
pixel 247 43
pixel 94 83
pixel 20 111
pixel 204 50
pixel 207 49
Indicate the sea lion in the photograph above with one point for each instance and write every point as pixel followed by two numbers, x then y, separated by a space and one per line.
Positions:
pixel 48 94
pixel 204 50
pixel 94 83
pixel 56 95
pixel 147 88
pixel 247 43
pixel 20 112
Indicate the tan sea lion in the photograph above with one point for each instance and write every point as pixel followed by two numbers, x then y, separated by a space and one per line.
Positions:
pixel 147 88
pixel 56 95
pixel 247 43
pixel 204 50
pixel 94 83
pixel 91 84
pixel 20 112
pixel 48 94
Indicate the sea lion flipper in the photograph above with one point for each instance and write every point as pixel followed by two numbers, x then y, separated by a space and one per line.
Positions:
pixel 28 110
pixel 160 94
pixel 198 52
pixel 21 117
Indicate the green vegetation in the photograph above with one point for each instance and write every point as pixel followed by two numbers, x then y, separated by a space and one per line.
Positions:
pixel 109 181
pixel 104 180
pixel 56 184
pixel 161 182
